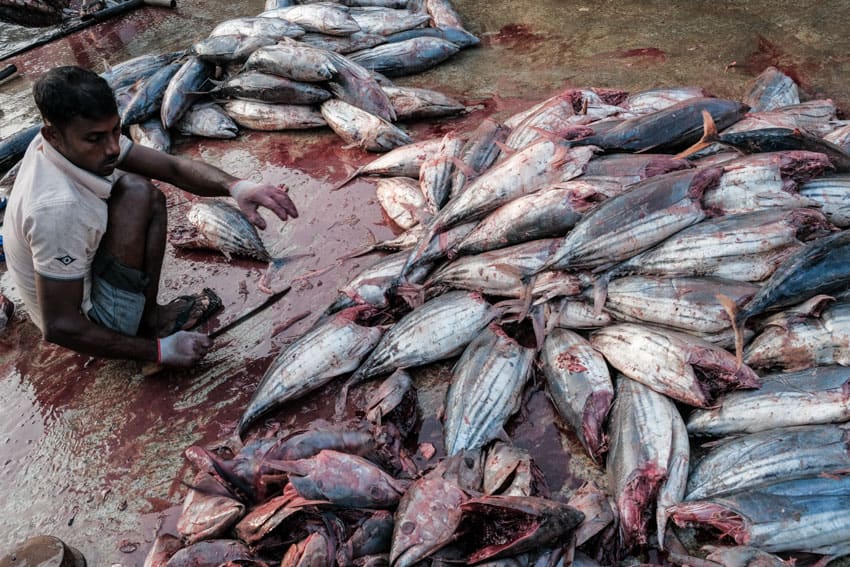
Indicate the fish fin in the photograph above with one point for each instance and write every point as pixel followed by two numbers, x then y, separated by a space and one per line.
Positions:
pixel 505 149
pixel 347 180
pixel 732 311
pixel 709 136
pixel 281 327
pixel 538 323
pixel 464 167
pixel 419 250
pixel 227 255
pixel 600 293
pixel 342 397
pixel 412 294
pixel 584 105
pixel 274 267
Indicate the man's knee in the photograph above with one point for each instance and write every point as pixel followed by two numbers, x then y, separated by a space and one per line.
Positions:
pixel 135 194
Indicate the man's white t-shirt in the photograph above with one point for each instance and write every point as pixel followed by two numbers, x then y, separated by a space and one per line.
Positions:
pixel 55 218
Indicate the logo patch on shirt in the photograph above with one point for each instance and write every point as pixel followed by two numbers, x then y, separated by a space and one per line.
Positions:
pixel 66 259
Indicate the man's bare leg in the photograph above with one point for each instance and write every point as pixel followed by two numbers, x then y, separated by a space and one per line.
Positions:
pixel 135 236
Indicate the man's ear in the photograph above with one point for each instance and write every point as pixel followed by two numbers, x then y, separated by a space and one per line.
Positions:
pixel 50 133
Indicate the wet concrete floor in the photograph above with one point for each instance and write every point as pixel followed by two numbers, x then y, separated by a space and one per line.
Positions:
pixel 90 451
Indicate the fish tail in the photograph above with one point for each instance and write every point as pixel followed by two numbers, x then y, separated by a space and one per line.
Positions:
pixel 732 311
pixel 419 250
pixel 709 136
pixel 342 397
pixel 347 180
pixel 274 268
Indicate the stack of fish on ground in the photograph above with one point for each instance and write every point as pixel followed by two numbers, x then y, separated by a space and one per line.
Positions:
pixel 352 494
pixel 294 66
pixel 298 66
pixel 665 297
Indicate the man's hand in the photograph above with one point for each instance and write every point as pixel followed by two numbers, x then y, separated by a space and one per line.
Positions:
pixel 250 195
pixel 183 348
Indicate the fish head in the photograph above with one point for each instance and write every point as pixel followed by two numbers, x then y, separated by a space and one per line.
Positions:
pixel 510 525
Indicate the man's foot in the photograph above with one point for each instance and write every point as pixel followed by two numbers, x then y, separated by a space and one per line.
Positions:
pixel 186 312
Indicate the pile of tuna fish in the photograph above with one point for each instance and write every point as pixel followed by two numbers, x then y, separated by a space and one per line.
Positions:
pixel 297 66
pixel 293 67
pixel 684 311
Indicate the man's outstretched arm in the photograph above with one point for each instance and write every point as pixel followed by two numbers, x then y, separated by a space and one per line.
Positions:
pixel 209 181
pixel 65 325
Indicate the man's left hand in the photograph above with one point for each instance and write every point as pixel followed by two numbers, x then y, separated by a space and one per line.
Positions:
pixel 250 196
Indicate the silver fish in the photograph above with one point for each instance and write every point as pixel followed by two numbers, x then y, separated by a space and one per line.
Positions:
pixel 343 43
pixel 406 57
pixel 772 89
pixel 330 19
pixel 151 134
pixel 812 116
pixel 486 388
pixel 746 247
pixel 653 100
pixel 223 227
pixel 264 87
pixel 147 99
pixel 832 193
pixel 404 161
pixel 357 86
pixel 634 221
pixel 293 60
pixel 810 523
pixel 435 175
pixel 331 348
pixel 373 284
pixel 685 304
pixel 273 117
pixel 743 556
pixel 803 342
pixel 359 128
pixel 224 49
pixel 412 103
pixel 183 90
pixel 443 14
pixel 207 120
pixel 438 329
pixel 504 272
pixel 748 462
pixel 572 313
pixel 402 200
pixel 641 440
pixel 479 153
pixel 579 385
pixel 765 180
pixel 133 70
pixel 807 397
pixel 673 489
pixel 553 117
pixel 668 361
pixel 387 21
pixel 523 173
pixel 547 213
pixel 273 28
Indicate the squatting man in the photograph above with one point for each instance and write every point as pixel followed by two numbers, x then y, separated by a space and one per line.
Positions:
pixel 86 229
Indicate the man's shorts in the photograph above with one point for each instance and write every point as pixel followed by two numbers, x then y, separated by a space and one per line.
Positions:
pixel 117 295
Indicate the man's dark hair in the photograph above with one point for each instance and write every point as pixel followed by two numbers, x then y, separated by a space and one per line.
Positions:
pixel 64 93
